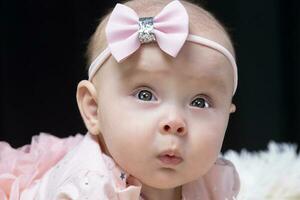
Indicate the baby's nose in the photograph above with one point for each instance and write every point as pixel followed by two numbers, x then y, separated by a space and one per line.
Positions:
pixel 173 126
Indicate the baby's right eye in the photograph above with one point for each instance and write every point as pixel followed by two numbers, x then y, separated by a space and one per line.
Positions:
pixel 145 95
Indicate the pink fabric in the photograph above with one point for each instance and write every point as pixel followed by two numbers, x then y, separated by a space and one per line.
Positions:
pixel 20 168
pixel 220 182
pixel 170 29
pixel 86 173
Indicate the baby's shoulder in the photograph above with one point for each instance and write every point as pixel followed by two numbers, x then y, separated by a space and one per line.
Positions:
pixel 79 183
pixel 80 174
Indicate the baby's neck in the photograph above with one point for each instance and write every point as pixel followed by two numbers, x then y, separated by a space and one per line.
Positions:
pixel 149 193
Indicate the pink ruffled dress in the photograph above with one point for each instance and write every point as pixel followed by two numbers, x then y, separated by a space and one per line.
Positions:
pixel 74 168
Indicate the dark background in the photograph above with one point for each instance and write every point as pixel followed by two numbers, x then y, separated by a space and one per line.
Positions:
pixel 42 60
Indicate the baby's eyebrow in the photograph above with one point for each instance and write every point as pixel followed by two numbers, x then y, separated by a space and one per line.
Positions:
pixel 220 87
pixel 211 82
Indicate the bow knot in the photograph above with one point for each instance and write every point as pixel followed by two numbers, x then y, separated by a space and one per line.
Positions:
pixel 125 31
pixel 146 27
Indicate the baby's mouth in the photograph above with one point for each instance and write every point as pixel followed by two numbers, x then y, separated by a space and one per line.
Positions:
pixel 170 157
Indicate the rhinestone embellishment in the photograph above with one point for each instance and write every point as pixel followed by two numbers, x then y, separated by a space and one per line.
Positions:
pixel 145 31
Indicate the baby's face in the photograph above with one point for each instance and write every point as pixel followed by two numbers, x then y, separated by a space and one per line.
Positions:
pixel 151 103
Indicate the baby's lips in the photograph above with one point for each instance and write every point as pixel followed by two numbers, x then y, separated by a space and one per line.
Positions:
pixel 171 152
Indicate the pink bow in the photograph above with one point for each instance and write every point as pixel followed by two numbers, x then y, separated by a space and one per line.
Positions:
pixel 171 27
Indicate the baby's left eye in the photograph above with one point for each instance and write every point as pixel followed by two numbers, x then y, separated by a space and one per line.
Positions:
pixel 145 95
pixel 200 102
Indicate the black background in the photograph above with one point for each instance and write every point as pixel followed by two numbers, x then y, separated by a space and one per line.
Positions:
pixel 42 60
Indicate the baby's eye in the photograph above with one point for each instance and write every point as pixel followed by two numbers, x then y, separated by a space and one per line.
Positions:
pixel 200 102
pixel 145 95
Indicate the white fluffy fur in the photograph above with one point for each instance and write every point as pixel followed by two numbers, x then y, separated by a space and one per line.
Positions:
pixel 273 174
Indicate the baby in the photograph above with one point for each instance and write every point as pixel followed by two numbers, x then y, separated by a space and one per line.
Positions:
pixel 162 75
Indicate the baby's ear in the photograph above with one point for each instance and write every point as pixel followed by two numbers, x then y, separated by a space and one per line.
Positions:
pixel 232 108
pixel 87 103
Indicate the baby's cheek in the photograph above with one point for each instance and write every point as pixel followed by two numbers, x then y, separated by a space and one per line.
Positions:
pixel 125 131
pixel 205 146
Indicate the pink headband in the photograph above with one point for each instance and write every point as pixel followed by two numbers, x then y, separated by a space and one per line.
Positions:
pixel 125 32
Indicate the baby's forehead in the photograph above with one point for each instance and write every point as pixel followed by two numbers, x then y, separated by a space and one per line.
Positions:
pixel 192 59
pixel 194 63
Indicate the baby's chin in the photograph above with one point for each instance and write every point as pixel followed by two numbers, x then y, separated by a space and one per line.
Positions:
pixel 167 179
